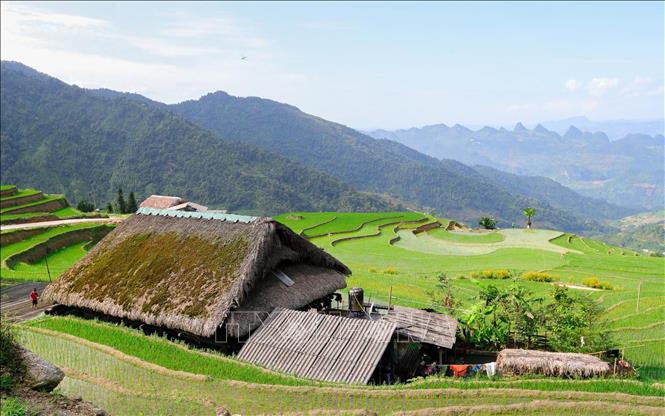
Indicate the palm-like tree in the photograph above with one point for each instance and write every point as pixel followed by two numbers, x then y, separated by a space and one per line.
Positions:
pixel 529 212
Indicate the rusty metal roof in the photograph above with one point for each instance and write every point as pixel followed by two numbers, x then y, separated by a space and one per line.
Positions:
pixel 321 347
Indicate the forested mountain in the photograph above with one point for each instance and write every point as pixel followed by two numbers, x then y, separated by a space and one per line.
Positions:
pixel 86 143
pixel 66 139
pixel 445 186
pixel 628 171
pixel 557 195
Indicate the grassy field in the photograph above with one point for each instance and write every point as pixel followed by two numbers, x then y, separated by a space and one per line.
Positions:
pixel 414 261
pixel 126 372
pixel 59 261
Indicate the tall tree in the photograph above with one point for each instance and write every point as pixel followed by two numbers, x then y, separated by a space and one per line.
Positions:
pixel 132 206
pixel 122 205
pixel 529 213
pixel 109 207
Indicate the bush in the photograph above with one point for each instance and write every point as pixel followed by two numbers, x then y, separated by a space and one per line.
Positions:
pixel 11 406
pixel 372 270
pixel 391 270
pixel 85 206
pixel 537 277
pixel 488 223
pixel 499 274
pixel 594 283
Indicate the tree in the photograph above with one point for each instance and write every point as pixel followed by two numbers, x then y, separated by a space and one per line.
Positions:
pixel 529 213
pixel 122 205
pixel 132 206
pixel 487 223
pixel 85 206
pixel 109 208
pixel 442 295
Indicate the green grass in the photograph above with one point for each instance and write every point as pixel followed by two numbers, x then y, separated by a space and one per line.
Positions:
pixel 5 218
pixel 124 388
pixel 63 259
pixel 36 205
pixel 163 352
pixel 467 237
pixel 21 193
pixel 419 259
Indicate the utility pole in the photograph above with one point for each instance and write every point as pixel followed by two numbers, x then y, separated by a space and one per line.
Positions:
pixel 637 307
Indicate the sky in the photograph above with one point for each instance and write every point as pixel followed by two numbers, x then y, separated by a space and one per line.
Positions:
pixel 366 65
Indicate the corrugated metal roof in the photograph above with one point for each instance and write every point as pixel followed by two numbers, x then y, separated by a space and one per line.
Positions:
pixel 430 327
pixel 202 215
pixel 320 347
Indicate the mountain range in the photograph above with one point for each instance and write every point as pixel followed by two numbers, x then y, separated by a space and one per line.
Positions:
pixel 614 129
pixel 627 172
pixel 248 155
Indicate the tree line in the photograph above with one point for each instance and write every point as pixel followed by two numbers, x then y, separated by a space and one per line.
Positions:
pixel 120 206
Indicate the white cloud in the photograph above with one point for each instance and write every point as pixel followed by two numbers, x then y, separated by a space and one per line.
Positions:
pixel 641 86
pixel 573 84
pixel 20 14
pixel 600 86
pixel 219 28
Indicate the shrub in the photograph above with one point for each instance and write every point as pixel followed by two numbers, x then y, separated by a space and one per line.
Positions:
pixel 11 406
pixel 391 270
pixel 594 283
pixel 372 270
pixel 85 206
pixel 537 277
pixel 499 274
pixel 488 223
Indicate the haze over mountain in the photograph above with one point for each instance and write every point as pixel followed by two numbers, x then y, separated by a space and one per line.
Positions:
pixel 63 138
pixel 628 171
pixel 66 139
pixel 614 129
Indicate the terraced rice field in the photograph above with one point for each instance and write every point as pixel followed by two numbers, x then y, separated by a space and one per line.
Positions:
pixel 129 373
pixel 58 261
pixel 383 254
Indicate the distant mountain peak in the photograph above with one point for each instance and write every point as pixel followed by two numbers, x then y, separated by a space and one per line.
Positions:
pixel 460 128
pixel 519 127
pixel 573 132
pixel 540 129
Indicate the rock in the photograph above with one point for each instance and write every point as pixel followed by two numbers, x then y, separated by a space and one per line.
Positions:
pixel 221 411
pixel 39 373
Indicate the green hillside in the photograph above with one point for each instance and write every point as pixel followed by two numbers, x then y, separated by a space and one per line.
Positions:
pixel 446 186
pixel 66 139
pixel 385 253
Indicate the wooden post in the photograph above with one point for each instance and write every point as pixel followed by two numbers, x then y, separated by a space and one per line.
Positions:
pixel 637 307
pixel 47 268
pixel 390 298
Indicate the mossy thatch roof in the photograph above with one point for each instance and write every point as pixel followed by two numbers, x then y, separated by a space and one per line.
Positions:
pixel 558 364
pixel 189 274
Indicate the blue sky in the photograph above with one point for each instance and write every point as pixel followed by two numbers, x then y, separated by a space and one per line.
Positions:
pixel 367 65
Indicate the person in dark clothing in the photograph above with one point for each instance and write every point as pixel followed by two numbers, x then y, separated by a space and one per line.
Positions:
pixel 34 297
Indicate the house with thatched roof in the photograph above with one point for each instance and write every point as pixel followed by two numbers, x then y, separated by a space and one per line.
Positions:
pixel 197 273
pixel 557 364
pixel 171 202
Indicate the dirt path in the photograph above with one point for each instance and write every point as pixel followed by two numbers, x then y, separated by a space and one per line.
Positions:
pixel 59 222
pixel 15 302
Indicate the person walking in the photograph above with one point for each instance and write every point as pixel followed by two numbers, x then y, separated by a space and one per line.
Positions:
pixel 34 297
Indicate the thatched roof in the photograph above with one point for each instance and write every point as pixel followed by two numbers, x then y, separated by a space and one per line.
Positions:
pixel 422 326
pixel 188 270
pixel 161 201
pixel 559 364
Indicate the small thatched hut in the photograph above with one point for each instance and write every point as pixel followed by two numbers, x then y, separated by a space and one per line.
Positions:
pixel 198 272
pixel 558 364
